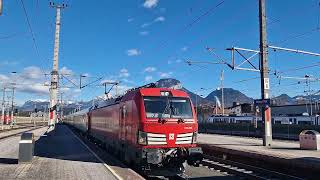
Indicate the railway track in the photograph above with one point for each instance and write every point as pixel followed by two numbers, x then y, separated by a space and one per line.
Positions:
pixel 243 170
pixel 18 132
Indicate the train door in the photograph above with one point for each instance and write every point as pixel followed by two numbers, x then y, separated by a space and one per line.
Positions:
pixel 123 116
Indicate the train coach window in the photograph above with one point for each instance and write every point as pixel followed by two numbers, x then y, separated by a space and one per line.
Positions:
pixel 167 107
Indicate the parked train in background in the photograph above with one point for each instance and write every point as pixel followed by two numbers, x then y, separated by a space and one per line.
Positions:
pixel 311 120
pixel 152 128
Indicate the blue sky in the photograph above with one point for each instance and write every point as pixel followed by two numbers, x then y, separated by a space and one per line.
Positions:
pixel 139 41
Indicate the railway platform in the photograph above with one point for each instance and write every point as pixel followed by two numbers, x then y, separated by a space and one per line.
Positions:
pixel 283 155
pixel 59 154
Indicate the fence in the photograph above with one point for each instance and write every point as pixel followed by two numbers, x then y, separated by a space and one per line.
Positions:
pixel 281 131
pixel 30 120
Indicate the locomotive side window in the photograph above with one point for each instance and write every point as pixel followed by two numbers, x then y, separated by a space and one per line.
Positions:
pixel 167 107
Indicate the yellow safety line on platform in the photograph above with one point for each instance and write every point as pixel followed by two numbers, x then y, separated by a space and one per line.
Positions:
pixel 108 167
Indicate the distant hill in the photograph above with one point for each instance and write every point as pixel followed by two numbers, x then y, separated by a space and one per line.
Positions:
pixel 230 96
pixel 31 105
pixel 283 99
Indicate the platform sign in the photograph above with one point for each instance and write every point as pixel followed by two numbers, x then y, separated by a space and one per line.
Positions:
pixel 262 102
pixel 266 83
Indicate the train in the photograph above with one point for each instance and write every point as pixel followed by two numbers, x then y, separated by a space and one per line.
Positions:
pixel 299 120
pixel 151 128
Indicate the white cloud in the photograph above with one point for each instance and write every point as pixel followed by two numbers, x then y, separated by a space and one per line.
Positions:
pixel 145 25
pixel 3 78
pixel 77 90
pixel 35 88
pixel 8 63
pixel 148 78
pixel 160 19
pixel 169 62
pixel 144 33
pixel 165 74
pixel 178 61
pixel 85 74
pixel 108 81
pixel 124 73
pixel 130 19
pixel 32 72
pixel 133 52
pixel 150 69
pixel 65 71
pixel 33 81
pixel 64 89
pixel 184 48
pixel 41 100
pixel 150 3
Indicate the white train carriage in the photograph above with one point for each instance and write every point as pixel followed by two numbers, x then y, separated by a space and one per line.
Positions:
pixel 231 119
pixel 295 120
pixel 300 120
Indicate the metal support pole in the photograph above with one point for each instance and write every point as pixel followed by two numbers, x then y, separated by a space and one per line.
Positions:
pixel 3 105
pixel 61 107
pixel 54 73
pixel 222 94
pixel 264 71
pixel 196 105
pixel 12 106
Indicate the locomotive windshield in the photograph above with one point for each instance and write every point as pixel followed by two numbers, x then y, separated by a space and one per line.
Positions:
pixel 167 107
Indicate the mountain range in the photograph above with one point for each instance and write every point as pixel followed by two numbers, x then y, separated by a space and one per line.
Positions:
pixel 230 96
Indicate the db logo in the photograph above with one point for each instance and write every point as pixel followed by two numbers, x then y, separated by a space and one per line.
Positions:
pixel 171 136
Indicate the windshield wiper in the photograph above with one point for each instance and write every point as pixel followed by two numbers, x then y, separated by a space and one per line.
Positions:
pixel 180 120
pixel 162 120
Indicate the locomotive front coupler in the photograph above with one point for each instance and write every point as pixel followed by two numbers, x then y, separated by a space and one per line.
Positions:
pixel 195 156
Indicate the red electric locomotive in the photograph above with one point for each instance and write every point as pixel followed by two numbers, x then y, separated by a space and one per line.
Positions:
pixel 152 128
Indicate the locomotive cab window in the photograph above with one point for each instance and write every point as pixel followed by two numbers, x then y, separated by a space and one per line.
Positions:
pixel 167 107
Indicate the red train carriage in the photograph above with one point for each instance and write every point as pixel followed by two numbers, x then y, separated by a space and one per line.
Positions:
pixel 152 128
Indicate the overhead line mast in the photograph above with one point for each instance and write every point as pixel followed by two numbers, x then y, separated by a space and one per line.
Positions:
pixel 264 72
pixel 54 73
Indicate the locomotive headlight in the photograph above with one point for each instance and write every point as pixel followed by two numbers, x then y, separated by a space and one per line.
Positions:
pixel 165 93
pixel 142 138
pixel 194 137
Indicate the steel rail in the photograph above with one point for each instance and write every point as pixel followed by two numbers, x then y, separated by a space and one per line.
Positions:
pixel 244 170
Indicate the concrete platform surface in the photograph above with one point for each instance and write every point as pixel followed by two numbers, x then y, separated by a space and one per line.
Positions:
pixel 283 149
pixel 282 154
pixel 58 155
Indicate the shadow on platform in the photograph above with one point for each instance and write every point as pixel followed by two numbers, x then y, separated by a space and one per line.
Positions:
pixel 62 144
pixel 287 148
pixel 214 177
pixel 8 161
pixel 234 144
